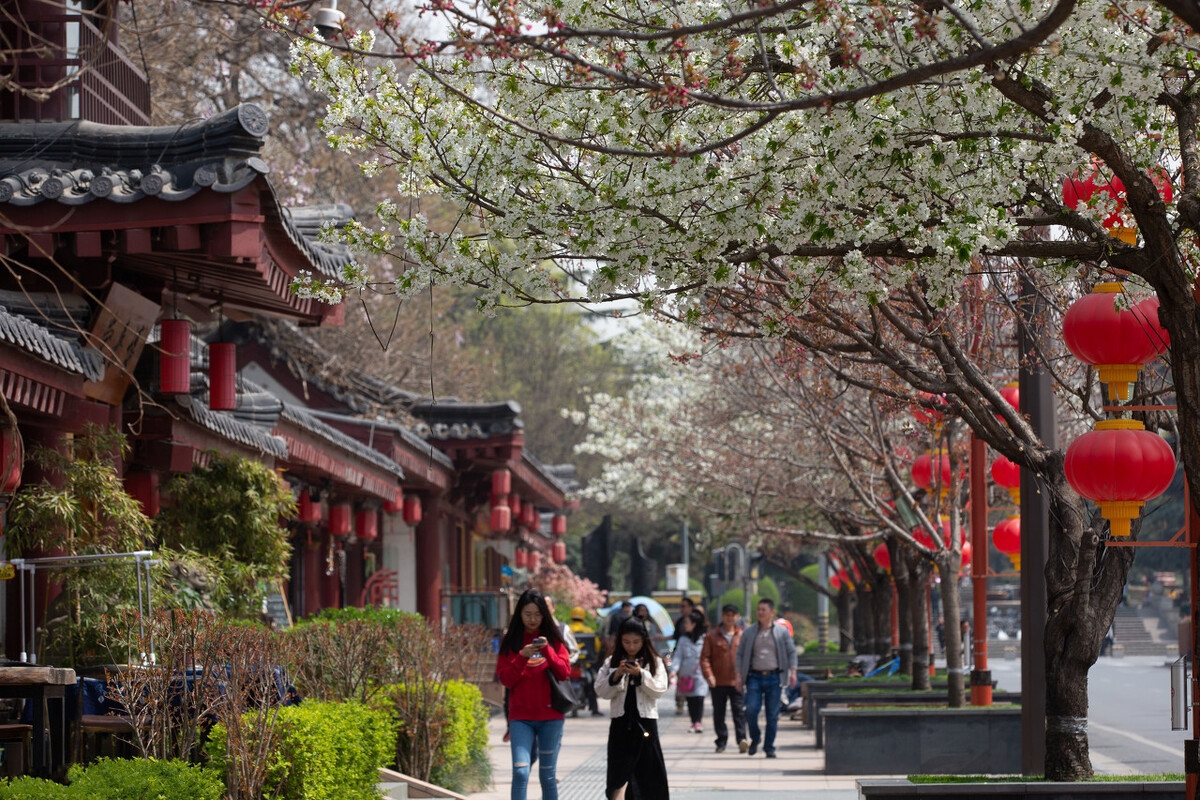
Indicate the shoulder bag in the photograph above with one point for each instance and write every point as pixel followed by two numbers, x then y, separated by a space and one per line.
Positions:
pixel 563 697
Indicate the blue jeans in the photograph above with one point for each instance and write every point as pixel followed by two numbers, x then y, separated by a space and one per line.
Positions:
pixel 523 734
pixel 760 689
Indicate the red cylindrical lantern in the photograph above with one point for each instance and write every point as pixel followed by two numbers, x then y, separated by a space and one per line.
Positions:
pixel 501 519
pixel 175 358
pixel 143 487
pixel 520 560
pixel 501 483
pixel 922 472
pixel 529 516
pixel 1119 466
pixel 366 524
pixel 339 519
pixel 1006 536
pixel 559 552
pixel 1118 342
pixel 535 560
pixel 309 510
pixel 222 376
pixel 558 525
pixel 882 557
pixel 412 509
pixel 1007 474
pixel 514 502
pixel 395 504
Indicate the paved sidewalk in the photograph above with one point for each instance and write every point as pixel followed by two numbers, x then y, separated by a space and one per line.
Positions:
pixel 694 770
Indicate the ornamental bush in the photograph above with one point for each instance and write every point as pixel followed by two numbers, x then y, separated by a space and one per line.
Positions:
pixel 461 763
pixel 123 779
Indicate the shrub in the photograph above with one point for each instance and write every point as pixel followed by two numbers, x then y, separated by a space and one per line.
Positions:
pixel 35 789
pixel 144 779
pixel 322 751
pixel 461 763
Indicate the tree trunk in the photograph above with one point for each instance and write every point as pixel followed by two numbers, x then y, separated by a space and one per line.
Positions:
pixel 867 638
pixel 918 612
pixel 903 599
pixel 882 608
pixel 845 609
pixel 951 614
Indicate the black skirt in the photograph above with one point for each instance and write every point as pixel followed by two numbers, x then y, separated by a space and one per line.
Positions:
pixel 635 757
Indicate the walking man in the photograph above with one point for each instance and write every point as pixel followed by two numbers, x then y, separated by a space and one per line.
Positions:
pixel 765 653
pixel 718 663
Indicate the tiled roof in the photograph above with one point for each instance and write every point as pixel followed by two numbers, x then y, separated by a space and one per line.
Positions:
pixel 233 429
pixel 309 422
pixel 66 353
pixel 452 420
pixel 414 441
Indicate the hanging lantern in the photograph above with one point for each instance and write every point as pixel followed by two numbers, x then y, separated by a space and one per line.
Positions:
pixel 1118 342
pixel 366 524
pixel 882 557
pixel 501 484
pixel 835 582
pixel 1006 536
pixel 514 502
pixel 412 509
pixel 308 510
pixel 558 525
pixel 501 519
pixel 222 376
pixel 1007 474
pixel 923 538
pixel 559 552
pixel 927 415
pixel 1119 466
pixel 143 487
pixel 12 460
pixel 395 504
pixel 1011 392
pixel 922 472
pixel 966 556
pixel 339 520
pixel 520 561
pixel 175 358
pixel 530 516
pixel 535 560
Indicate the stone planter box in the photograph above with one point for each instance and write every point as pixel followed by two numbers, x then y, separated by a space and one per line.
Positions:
pixel 937 741
pixel 891 789
pixel 811 689
pixel 821 702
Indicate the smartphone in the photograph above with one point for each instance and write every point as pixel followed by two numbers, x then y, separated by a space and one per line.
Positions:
pixel 540 641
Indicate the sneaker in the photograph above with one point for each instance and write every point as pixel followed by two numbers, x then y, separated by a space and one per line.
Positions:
pixel 771 754
pixel 743 746
pixel 753 748
pixel 720 748
pixel 697 727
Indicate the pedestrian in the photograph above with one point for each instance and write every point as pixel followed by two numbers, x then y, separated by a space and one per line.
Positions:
pixel 685 663
pixel 718 662
pixel 764 654
pixel 686 607
pixel 530 652
pixel 613 624
pixel 633 679
pixel 589 657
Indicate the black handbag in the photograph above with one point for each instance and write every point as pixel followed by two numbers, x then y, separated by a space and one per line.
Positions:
pixel 563 697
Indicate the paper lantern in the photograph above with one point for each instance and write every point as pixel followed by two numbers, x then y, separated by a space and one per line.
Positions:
pixel 222 376
pixel 308 510
pixel 501 519
pixel 535 560
pixel 932 411
pixel 520 560
pixel 1011 392
pixel 412 509
pixel 1118 342
pixel 501 484
pixel 395 504
pixel 529 516
pixel 1006 536
pixel 175 358
pixel 366 524
pixel 340 520
pixel 514 502
pixel 1119 466
pixel 558 553
pixel 1008 475
pixel 558 525
pixel 922 472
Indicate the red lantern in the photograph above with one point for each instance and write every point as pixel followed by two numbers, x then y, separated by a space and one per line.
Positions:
pixel 923 538
pixel 366 524
pixel 927 415
pixel 1076 191
pixel 1007 538
pixel 835 582
pixel 1117 341
pixel 501 519
pixel 222 376
pixel 1007 474
pixel 339 520
pixel 412 509
pixel 529 516
pixel 1011 392
pixel 922 472
pixel 519 559
pixel 558 525
pixel 1119 466
pixel 514 502
pixel 535 560
pixel 559 552
pixel 175 360
pixel 12 459
pixel 395 504
pixel 309 510
pixel 143 487
pixel 501 483
pixel 882 557
pixel 966 555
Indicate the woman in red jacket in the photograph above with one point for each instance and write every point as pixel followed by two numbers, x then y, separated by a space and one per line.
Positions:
pixel 533 645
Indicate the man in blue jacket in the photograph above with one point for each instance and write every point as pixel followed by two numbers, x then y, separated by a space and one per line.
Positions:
pixel 765 653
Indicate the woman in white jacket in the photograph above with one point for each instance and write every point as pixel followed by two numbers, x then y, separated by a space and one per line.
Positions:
pixel 633 678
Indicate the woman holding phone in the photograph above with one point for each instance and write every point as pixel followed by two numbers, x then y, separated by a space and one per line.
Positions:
pixel 633 679
pixel 531 647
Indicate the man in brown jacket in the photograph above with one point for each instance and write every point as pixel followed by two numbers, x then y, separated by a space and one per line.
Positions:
pixel 718 664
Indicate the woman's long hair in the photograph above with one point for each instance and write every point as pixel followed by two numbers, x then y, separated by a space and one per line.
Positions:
pixel 699 626
pixel 514 638
pixel 648 657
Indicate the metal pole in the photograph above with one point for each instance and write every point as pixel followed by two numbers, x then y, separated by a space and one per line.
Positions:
pixel 24 636
pixel 686 548
pixel 981 676
pixel 32 605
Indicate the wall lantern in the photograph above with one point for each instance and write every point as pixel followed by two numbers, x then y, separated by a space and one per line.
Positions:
pixel 535 560
pixel 339 520
pixel 175 358
pixel 222 376
pixel 559 552
pixel 1008 475
pixel 882 557
pixel 412 509
pixel 366 524
pixel 1118 342
pixel 501 519
pixel 520 560
pixel 1119 466
pixel 1007 538
pixel 558 525
pixel 922 472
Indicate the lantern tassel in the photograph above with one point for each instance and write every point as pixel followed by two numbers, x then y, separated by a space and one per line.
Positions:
pixel 1119 514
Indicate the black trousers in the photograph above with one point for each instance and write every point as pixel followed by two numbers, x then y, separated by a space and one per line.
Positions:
pixel 635 757
pixel 695 706
pixel 731 695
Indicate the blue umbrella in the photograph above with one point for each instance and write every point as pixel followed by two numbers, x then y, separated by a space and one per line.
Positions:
pixel 657 613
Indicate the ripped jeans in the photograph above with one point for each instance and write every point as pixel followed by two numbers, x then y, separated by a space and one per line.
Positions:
pixel 522 736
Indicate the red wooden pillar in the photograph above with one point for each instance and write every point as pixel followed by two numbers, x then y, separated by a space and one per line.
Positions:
pixel 430 562
pixel 981 676
pixel 313 570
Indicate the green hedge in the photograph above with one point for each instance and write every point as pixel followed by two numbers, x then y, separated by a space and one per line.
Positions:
pixel 323 751
pixel 123 779
pixel 462 763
